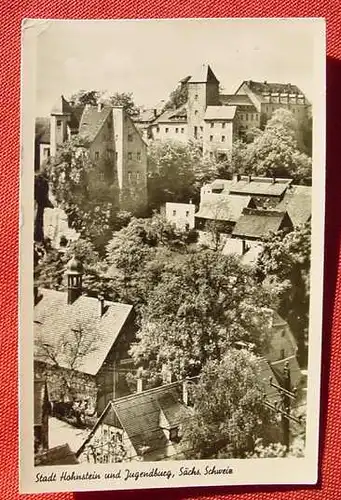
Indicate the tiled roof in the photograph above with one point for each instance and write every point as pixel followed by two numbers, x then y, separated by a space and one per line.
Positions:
pixel 265 87
pixel 76 115
pixel 220 112
pixel 60 455
pixel 92 121
pixel 57 323
pixel 40 399
pixel 259 186
pixel 236 100
pixel 297 202
pixel 258 224
pixel 173 116
pixel 203 74
pixel 139 416
pixel 227 208
pixel 61 107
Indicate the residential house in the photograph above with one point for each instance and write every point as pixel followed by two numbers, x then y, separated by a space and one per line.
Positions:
pixel 80 343
pixel 180 214
pixel 143 426
pixel 42 142
pixel 111 140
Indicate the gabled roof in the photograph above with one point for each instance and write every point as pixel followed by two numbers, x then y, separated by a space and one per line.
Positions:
pixel 173 115
pixel 58 324
pixel 259 186
pixel 139 416
pixel 258 224
pixel 228 208
pixel 220 112
pixel 260 88
pixel 236 100
pixel 92 121
pixel 297 202
pixel 204 74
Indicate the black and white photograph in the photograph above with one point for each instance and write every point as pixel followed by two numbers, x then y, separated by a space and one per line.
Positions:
pixel 171 267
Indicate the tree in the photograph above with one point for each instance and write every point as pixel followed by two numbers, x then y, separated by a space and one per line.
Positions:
pixel 178 96
pixel 229 414
pixel 42 201
pixel 275 152
pixel 85 191
pixel 285 265
pixel 92 97
pixel 203 303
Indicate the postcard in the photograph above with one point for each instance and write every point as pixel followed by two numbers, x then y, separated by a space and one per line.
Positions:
pixel 171 252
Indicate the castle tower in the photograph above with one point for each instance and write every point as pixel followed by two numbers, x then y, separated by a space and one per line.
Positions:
pixel 60 116
pixel 74 280
pixel 203 91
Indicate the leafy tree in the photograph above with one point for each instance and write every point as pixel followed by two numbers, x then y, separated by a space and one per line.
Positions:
pixel 92 97
pixel 42 201
pixel 229 414
pixel 178 97
pixel 275 151
pixel 285 265
pixel 276 450
pixel 85 191
pixel 203 303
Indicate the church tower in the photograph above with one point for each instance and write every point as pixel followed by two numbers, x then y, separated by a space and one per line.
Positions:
pixel 203 91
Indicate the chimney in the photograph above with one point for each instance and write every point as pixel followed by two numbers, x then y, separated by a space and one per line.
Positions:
pixel 185 392
pixel 155 112
pixel 101 303
pixel 139 385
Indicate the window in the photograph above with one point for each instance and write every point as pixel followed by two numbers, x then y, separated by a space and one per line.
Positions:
pixel 137 176
pixel 187 213
pixel 138 155
pixel 196 97
pixel 282 353
pixel 174 213
pixel 182 130
pixel 130 156
pixel 223 125
pixel 130 137
pixel 129 176
pixel 166 130
pixel 59 123
pixel 96 155
pixel 195 132
pixel 196 112
pixel 46 152
pixel 242 117
pixel 157 129
pixel 247 117
pixel 116 155
pixel 222 138
pixel 211 138
pixel 176 130
pixel 212 124
pixel 201 129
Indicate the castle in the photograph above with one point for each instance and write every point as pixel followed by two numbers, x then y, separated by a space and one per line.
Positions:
pixel 216 119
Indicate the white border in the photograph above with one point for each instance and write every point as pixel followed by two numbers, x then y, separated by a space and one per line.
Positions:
pixel 245 472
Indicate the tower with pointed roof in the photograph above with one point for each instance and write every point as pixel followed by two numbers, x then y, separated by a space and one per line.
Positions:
pixel 203 91
pixel 74 274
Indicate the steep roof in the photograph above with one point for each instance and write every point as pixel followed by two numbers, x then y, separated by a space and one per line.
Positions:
pixel 228 208
pixel 236 100
pixel 139 416
pixel 220 112
pixel 204 74
pixel 297 202
pixel 57 325
pixel 260 88
pixel 173 115
pixel 258 224
pixel 92 121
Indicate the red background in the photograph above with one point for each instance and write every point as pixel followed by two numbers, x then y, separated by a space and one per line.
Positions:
pixel 11 14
